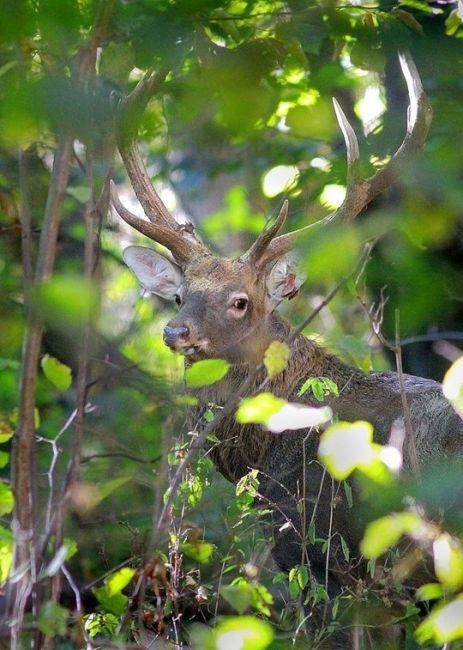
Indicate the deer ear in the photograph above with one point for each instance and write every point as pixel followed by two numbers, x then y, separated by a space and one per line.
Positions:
pixel 154 271
pixel 283 281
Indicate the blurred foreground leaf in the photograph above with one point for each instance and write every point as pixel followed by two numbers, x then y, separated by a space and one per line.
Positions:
pixel 386 531
pixel 444 624
pixel 206 372
pixel 56 372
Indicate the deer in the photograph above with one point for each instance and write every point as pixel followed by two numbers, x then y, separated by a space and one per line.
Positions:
pixel 228 310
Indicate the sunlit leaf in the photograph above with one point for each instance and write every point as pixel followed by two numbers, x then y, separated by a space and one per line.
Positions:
pixel 4 459
pixel 243 633
pixel 453 385
pixel 276 358
pixel 430 591
pixel 6 430
pixel 279 179
pixel 119 580
pixel 206 372
pixel 383 533
pixel 297 416
pixel 199 551
pixel 6 499
pixel 444 624
pixel 56 372
pixel 248 483
pixel 6 553
pixel 101 623
pixel 448 561
pixel 259 408
pixel 344 446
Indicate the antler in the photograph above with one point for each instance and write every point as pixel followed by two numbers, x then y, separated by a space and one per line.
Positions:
pixel 161 227
pixel 359 192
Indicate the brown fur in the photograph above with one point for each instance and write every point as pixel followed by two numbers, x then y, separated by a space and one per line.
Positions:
pixel 289 469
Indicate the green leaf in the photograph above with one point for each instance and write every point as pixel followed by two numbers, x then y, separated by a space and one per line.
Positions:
pixel 119 580
pixel 206 372
pixel 430 591
pixel 56 372
pixel 6 499
pixel 238 596
pixel 294 416
pixel 453 385
pixel 259 408
pixel 101 624
pixel 4 459
pixel 276 358
pixel 52 619
pixel 444 624
pixel 113 604
pixel 6 553
pixel 243 632
pixel 6 431
pixel 345 549
pixel 71 547
pixel 348 493
pixel 199 551
pixel 321 387
pixel 344 446
pixel 448 561
pixel 248 483
pixel 383 533
pixel 109 595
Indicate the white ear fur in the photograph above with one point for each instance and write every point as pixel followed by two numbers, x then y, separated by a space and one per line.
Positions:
pixel 283 281
pixel 155 272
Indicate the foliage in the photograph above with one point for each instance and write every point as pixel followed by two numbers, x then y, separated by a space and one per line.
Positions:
pixel 242 119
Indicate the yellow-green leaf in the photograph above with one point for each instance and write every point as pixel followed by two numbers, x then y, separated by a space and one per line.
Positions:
pixel 56 372
pixel 453 385
pixel 276 358
pixel 6 431
pixel 119 580
pixel 444 624
pixel 293 416
pixel 448 561
pixel 206 372
pixel 258 409
pixel 243 632
pixel 6 553
pixel 383 533
pixel 430 591
pixel 199 551
pixel 238 596
pixel 6 499
pixel 344 446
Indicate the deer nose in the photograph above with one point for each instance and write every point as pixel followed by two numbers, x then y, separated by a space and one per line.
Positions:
pixel 173 335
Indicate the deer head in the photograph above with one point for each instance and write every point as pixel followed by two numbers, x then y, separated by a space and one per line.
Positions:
pixel 226 305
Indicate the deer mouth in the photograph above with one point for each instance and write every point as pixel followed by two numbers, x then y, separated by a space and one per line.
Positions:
pixel 197 351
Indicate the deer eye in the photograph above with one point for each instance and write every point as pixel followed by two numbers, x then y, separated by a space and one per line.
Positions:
pixel 240 304
pixel 178 300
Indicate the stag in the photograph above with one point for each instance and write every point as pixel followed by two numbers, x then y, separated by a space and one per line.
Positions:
pixel 227 309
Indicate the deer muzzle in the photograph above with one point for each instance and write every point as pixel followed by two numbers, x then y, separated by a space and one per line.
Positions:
pixel 176 337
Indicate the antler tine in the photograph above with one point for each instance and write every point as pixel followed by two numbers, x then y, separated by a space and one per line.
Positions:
pixel 180 246
pixel 162 226
pixel 270 231
pixel 360 192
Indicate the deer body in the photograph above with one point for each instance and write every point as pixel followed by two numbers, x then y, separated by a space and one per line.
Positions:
pixel 228 310
pixel 289 470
